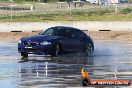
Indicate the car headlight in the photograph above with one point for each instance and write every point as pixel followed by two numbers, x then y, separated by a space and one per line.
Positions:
pixel 19 41
pixel 45 43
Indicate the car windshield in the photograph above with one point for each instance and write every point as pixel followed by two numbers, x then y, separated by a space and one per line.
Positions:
pixel 55 32
pixel 49 31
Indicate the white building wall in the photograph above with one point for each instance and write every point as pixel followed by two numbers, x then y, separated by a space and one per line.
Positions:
pixel 83 25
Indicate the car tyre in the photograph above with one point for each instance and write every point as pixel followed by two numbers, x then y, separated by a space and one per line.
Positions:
pixel 89 49
pixel 56 50
pixel 24 54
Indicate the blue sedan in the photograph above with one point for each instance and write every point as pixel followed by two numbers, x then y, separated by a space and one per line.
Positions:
pixel 56 40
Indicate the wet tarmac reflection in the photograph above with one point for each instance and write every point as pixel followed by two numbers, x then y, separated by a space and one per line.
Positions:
pixel 110 60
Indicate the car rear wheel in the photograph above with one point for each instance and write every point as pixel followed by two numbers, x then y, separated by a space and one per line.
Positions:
pixel 89 49
pixel 24 54
pixel 56 50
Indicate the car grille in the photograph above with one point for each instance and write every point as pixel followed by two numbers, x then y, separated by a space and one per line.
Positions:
pixel 30 43
pixel 32 50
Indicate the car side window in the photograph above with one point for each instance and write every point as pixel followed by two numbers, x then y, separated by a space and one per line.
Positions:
pixel 71 32
pixel 81 35
pixel 77 34
pixel 62 32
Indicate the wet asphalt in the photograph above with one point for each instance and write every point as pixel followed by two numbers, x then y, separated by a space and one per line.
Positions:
pixel 110 60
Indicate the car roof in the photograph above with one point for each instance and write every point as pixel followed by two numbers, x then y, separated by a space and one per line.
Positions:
pixel 71 28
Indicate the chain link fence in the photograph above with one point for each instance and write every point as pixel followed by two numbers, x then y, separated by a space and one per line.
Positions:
pixel 11 10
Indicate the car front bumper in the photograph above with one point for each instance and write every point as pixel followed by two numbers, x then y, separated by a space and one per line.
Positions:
pixel 37 49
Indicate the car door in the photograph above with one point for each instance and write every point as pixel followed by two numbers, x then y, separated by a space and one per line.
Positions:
pixel 74 42
pixel 70 39
pixel 77 40
pixel 66 40
pixel 82 37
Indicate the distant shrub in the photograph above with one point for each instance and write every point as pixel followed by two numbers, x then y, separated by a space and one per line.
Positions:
pixel 126 10
pixel 89 13
pixel 19 0
pixel 102 12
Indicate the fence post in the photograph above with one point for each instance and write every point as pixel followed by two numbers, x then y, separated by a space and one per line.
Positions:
pixel 32 7
pixel 116 8
pixel 11 6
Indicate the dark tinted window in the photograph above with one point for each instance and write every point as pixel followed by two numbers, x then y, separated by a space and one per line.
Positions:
pixel 56 31
pixel 72 32
pixel 81 35
pixel 77 33
pixel 62 32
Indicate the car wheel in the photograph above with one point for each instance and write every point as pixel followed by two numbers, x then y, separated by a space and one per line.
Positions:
pixel 89 49
pixel 56 50
pixel 24 54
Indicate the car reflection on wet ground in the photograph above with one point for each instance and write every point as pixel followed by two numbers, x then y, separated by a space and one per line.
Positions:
pixel 110 60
